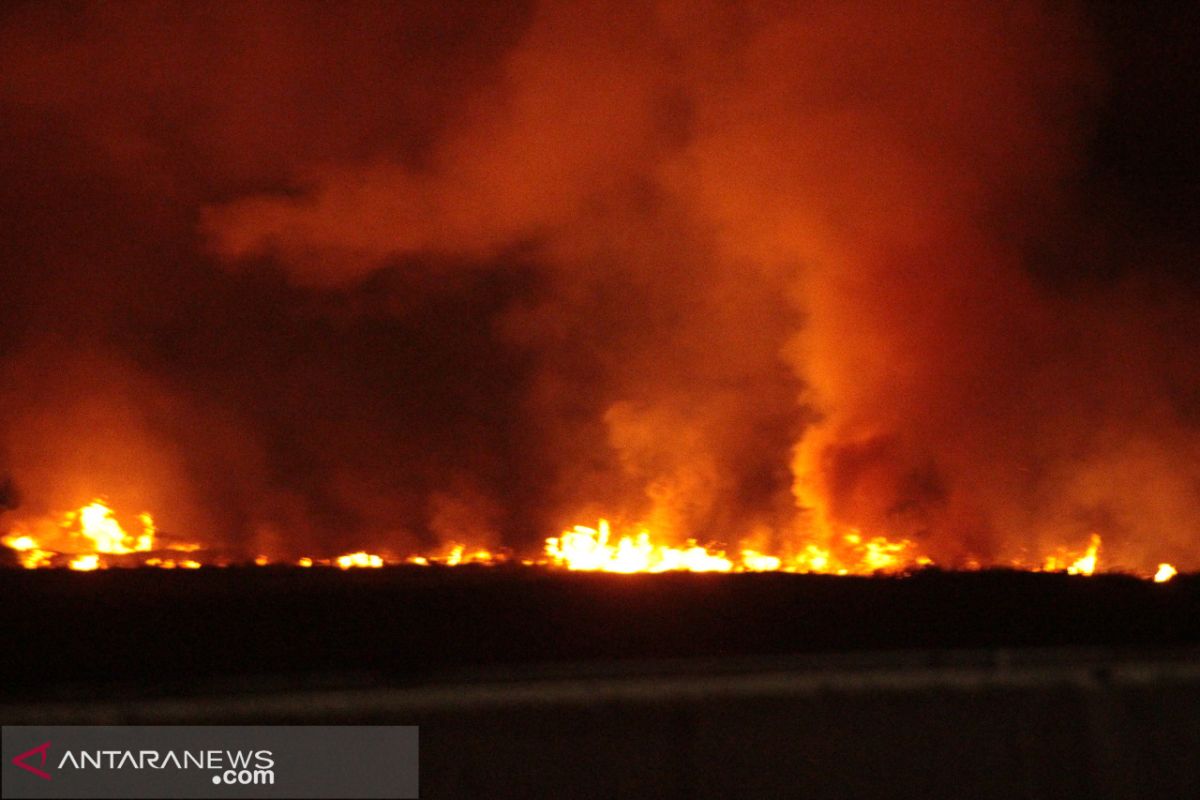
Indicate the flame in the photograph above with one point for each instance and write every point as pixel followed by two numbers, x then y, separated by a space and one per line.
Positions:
pixel 21 543
pixel 1083 565
pixel 1087 564
pixel 456 555
pixel 97 523
pixel 592 549
pixel 359 559
pixel 28 552
pixel 91 538
pixel 758 562
pixel 85 563
pixel 170 563
pixel 584 548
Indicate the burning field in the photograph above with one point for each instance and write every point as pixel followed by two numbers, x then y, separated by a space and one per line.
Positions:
pixel 816 289
pixel 813 287
pixel 92 538
pixel 370 303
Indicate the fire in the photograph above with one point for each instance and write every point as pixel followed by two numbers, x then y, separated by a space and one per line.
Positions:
pixel 85 563
pixel 28 553
pixel 1165 573
pixel 359 559
pixel 1083 565
pixel 584 548
pixel 170 563
pixel 92 538
pixel 458 555
pixel 1087 564
pixel 96 522
pixel 21 543
pixel 757 562
pixel 592 549
pixel 455 555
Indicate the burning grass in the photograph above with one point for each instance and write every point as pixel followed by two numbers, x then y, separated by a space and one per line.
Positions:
pixel 92 537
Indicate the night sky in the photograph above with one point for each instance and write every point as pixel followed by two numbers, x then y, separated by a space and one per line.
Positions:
pixel 311 277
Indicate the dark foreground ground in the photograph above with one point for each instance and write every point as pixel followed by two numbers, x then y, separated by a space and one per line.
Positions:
pixel 529 683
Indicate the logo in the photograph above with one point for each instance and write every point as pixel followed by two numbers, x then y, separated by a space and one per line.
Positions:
pixel 151 761
pixel 40 749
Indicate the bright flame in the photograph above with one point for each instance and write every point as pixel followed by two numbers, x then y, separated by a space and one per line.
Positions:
pixel 21 543
pixel 359 559
pixel 97 523
pixel 879 554
pixel 586 548
pixel 85 563
pixel 1083 565
pixel 813 559
pixel 1087 564
pixel 757 562
pixel 28 553
pixel 92 538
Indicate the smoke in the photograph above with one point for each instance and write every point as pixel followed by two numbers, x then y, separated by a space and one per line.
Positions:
pixel 394 276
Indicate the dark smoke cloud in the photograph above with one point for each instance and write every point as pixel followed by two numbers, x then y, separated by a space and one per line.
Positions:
pixel 299 277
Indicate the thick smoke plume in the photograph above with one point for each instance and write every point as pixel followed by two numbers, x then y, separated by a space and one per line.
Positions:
pixel 302 277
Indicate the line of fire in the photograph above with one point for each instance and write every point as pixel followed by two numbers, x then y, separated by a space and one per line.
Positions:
pixel 92 538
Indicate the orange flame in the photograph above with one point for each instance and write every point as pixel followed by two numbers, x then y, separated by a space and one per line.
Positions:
pixel 359 559
pixel 585 548
pixel 1087 564
pixel 1083 565
pixel 85 563
pixel 92 538
pixel 1165 573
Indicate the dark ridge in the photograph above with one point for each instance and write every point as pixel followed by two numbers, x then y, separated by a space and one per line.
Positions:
pixel 127 633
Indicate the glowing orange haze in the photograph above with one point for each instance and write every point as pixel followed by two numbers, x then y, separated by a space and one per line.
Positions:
pixel 828 287
pixel 92 538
